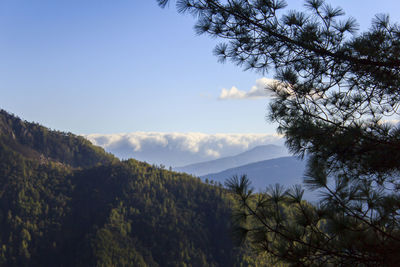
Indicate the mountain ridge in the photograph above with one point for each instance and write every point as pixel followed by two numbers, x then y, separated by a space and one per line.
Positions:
pixel 65 202
pixel 258 153
pixel 284 170
pixel 37 142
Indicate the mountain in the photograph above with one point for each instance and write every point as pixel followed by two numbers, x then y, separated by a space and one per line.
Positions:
pixel 65 202
pixel 256 154
pixel 286 171
pixel 35 142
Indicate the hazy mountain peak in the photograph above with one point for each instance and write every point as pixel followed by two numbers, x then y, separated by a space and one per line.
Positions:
pixel 258 153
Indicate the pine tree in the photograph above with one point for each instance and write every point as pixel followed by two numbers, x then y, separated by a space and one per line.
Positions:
pixel 335 92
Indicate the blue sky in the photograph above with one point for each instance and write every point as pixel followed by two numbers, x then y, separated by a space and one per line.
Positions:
pixel 99 66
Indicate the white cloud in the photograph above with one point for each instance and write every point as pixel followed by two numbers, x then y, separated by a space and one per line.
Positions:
pixel 259 90
pixel 393 122
pixel 177 149
pixel 212 153
pixel 232 93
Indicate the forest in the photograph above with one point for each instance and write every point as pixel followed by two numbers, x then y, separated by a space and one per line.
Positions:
pixel 65 202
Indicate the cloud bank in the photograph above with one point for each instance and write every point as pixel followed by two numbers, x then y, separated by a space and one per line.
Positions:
pixel 178 149
pixel 392 122
pixel 259 90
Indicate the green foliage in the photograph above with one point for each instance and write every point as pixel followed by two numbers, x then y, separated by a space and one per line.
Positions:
pixel 295 232
pixel 41 144
pixel 334 92
pixel 110 213
pixel 156 209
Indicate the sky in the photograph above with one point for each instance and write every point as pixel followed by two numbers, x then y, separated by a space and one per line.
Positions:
pixel 128 66
pixel 99 66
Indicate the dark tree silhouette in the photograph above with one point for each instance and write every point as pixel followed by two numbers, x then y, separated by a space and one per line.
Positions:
pixel 336 91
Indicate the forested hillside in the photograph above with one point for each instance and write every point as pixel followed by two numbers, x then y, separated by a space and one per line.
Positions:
pixel 65 202
pixel 36 142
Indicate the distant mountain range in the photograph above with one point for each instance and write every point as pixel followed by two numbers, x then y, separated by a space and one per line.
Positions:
pixel 264 165
pixel 256 154
pixel 286 171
